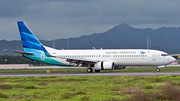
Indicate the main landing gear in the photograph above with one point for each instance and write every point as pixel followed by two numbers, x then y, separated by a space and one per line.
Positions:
pixel 90 70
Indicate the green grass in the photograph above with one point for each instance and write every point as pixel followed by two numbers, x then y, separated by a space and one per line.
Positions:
pixel 83 70
pixel 125 88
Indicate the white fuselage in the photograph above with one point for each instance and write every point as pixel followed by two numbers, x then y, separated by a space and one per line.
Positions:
pixel 121 57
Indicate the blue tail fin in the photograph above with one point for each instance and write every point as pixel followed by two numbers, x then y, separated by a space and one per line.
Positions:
pixel 29 40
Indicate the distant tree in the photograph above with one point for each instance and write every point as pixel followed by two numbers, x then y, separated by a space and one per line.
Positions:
pixel 11 59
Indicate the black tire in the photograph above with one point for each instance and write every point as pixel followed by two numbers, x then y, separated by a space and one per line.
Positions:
pixel 97 71
pixel 158 69
pixel 89 70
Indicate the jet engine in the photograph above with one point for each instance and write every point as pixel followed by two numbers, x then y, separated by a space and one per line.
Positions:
pixel 104 65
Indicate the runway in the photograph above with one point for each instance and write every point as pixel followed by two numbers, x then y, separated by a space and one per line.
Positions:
pixel 15 66
pixel 90 74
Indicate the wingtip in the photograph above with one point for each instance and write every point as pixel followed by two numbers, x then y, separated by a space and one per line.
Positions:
pixel 19 21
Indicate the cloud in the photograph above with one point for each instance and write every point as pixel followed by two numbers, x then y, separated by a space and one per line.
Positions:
pixel 53 19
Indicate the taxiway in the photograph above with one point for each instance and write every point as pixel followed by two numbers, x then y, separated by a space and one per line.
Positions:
pixel 89 74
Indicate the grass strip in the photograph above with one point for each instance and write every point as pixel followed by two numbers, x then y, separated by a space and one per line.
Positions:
pixel 125 88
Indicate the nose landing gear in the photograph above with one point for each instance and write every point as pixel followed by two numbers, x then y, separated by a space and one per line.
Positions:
pixel 158 69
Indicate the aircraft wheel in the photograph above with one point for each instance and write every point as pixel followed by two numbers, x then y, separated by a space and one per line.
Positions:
pixel 89 70
pixel 158 70
pixel 97 71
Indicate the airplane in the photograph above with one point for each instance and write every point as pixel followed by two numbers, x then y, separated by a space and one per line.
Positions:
pixel 94 59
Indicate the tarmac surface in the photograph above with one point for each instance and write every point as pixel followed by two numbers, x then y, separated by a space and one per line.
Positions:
pixel 43 67
pixel 89 74
pixel 81 74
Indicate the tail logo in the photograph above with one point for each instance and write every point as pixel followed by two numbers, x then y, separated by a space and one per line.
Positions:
pixel 142 52
pixel 42 56
pixel 29 40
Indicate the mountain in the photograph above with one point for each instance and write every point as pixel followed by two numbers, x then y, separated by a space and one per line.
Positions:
pixel 121 36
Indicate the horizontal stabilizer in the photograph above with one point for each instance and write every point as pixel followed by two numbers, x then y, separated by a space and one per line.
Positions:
pixel 21 52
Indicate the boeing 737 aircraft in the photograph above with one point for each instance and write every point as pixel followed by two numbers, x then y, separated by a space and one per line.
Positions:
pixel 97 59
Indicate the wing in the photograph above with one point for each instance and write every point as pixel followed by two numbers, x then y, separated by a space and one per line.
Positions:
pixel 81 61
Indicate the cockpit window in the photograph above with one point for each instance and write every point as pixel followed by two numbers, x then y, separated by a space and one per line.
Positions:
pixel 164 54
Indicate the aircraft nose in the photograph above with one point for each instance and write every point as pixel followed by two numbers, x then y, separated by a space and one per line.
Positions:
pixel 171 59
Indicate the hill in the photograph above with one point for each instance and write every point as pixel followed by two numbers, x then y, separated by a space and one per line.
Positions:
pixel 121 36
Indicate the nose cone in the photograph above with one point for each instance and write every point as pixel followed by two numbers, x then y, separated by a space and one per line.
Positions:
pixel 171 59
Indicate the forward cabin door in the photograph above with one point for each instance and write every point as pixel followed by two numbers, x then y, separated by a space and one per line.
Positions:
pixel 154 56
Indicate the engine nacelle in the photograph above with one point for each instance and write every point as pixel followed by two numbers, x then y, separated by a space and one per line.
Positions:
pixel 104 65
pixel 120 67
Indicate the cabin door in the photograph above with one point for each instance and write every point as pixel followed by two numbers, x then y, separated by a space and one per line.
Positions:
pixel 153 56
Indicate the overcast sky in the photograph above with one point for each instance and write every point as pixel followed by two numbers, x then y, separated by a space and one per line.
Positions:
pixel 54 19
